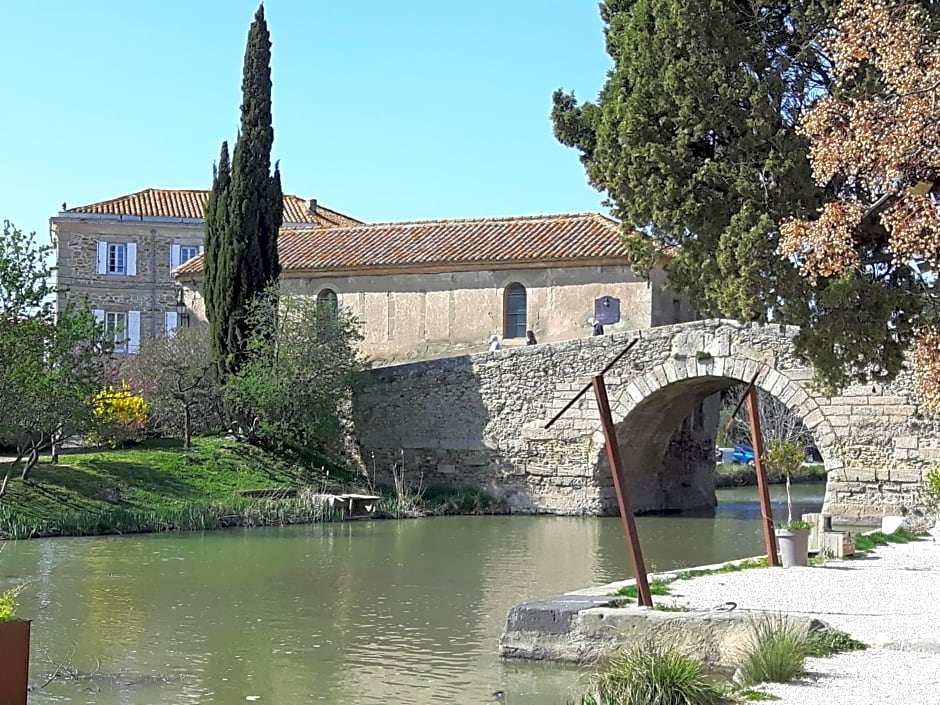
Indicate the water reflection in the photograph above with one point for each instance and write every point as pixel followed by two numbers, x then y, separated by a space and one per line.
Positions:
pixel 384 612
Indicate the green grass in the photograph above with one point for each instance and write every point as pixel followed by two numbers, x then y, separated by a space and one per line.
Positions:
pixel 731 475
pixel 437 499
pixel 655 674
pixel 726 568
pixel 107 491
pixel 751 695
pixel 658 586
pixel 160 486
pixel 775 651
pixel 865 543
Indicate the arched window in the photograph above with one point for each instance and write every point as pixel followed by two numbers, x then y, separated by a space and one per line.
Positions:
pixel 328 302
pixel 514 311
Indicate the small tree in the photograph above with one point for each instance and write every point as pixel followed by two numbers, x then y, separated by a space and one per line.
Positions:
pixel 777 421
pixel 50 362
pixel 785 457
pixel 302 363
pixel 179 380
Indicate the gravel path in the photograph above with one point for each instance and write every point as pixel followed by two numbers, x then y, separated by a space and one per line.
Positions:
pixel 889 599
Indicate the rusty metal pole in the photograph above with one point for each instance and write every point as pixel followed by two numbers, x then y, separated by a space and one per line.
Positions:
pixel 757 443
pixel 623 501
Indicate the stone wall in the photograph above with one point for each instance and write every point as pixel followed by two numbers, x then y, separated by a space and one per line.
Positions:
pixel 151 291
pixel 479 420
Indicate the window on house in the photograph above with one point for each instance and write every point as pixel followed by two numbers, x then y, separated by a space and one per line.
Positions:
pixel 187 253
pixel 117 259
pixel 514 311
pixel 115 325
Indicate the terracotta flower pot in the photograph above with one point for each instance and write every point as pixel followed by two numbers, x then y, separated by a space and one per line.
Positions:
pixel 14 662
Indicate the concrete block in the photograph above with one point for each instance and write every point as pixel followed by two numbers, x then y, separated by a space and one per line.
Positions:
pixel 838 544
pixel 890 524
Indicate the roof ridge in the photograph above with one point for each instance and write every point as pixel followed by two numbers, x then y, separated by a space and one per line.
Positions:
pixel 151 189
pixel 485 219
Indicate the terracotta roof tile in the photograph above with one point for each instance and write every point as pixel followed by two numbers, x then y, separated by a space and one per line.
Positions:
pixel 490 241
pixel 191 203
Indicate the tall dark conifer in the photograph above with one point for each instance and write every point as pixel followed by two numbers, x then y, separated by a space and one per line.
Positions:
pixel 217 264
pixel 244 212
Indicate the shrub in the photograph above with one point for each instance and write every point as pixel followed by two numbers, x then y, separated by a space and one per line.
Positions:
pixel 827 642
pixel 655 674
pixel 120 416
pixel 775 651
pixel 7 606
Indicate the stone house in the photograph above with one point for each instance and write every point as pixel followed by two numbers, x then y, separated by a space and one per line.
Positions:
pixel 119 254
pixel 428 289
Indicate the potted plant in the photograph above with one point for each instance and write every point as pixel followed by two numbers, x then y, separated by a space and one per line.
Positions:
pixel 14 652
pixel 793 536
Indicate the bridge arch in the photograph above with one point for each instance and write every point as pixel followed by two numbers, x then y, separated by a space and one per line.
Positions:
pixel 649 409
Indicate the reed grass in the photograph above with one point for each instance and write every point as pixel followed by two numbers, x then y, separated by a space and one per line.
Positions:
pixel 654 674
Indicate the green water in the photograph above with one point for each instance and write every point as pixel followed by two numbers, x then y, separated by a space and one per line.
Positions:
pixel 362 612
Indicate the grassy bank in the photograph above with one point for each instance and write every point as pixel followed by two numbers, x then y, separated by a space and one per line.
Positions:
pixel 160 486
pixel 730 475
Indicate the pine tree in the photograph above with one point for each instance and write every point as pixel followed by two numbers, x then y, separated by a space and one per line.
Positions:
pixel 694 140
pixel 244 212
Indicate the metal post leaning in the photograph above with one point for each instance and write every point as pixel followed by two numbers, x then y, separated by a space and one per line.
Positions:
pixel 763 490
pixel 597 382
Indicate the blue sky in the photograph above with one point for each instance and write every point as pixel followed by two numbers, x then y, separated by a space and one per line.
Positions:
pixel 384 111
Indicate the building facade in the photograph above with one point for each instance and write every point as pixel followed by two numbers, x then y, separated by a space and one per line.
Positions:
pixel 118 255
pixel 428 289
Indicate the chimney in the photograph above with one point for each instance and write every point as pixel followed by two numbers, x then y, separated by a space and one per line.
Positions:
pixel 312 206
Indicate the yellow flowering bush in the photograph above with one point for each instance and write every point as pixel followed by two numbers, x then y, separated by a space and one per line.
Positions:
pixel 120 415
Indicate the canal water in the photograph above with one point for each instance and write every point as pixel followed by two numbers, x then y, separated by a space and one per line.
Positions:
pixel 389 612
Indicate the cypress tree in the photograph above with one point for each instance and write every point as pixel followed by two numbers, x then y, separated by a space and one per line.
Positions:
pixel 244 212
pixel 215 264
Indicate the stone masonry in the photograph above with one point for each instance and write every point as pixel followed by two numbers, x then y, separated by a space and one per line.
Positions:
pixel 479 421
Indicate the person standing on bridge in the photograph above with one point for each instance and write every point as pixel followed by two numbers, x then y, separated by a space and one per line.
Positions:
pixel 530 338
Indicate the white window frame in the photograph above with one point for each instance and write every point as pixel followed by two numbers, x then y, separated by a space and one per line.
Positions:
pixel 176 254
pixel 110 255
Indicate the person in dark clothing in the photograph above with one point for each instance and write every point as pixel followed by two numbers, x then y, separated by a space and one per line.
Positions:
pixel 530 338
pixel 596 327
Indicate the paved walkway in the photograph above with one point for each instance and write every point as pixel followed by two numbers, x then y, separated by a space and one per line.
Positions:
pixel 889 599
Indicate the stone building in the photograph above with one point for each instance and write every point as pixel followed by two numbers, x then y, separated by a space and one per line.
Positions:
pixel 118 254
pixel 429 289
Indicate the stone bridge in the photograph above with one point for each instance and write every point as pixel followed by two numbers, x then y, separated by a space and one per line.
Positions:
pixel 479 421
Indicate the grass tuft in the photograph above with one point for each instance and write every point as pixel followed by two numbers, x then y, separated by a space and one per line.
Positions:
pixel 775 651
pixel 654 674
pixel 658 586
